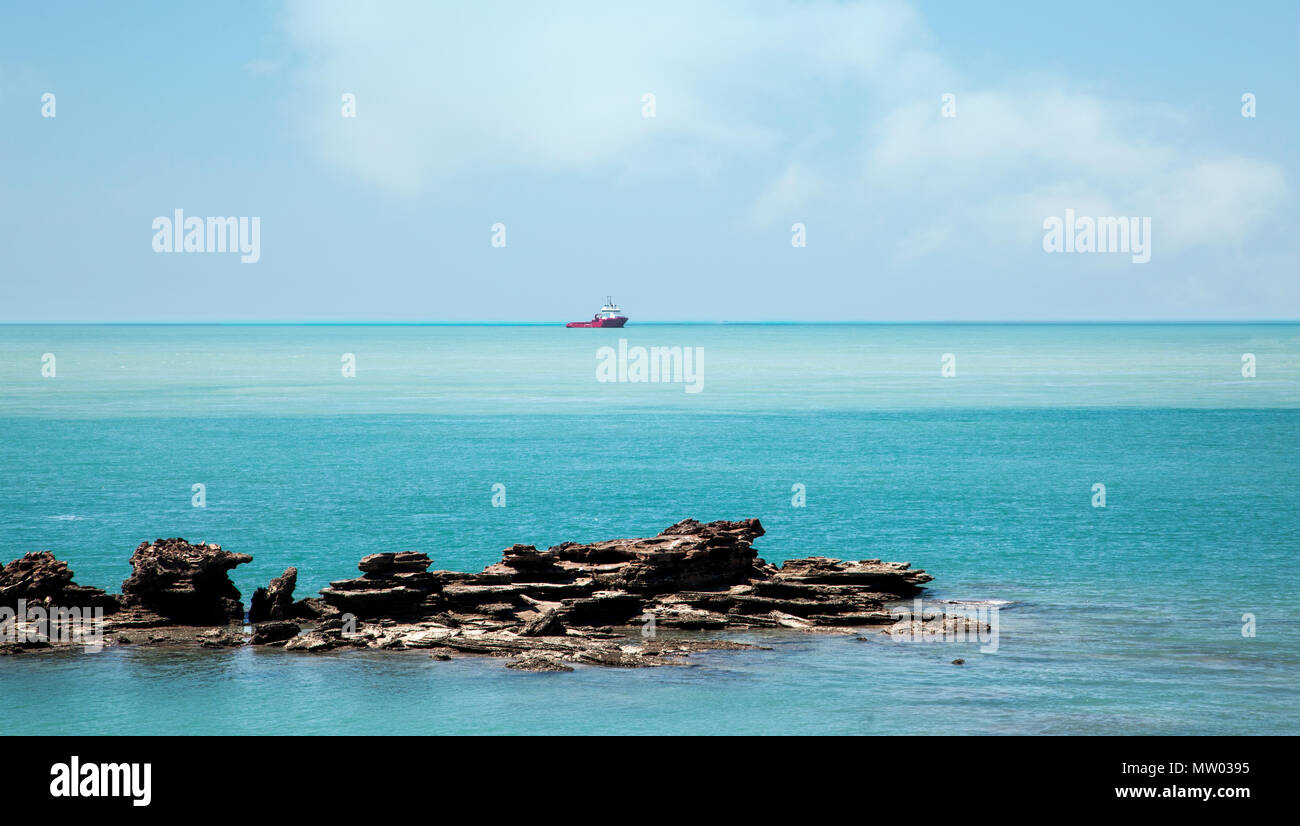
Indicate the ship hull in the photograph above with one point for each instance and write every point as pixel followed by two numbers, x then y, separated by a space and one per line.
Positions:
pixel 599 322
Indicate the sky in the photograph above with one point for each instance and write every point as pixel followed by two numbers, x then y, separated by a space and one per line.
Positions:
pixel 829 115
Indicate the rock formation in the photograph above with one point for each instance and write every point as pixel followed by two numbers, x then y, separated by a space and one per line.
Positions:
pixel 38 577
pixel 392 585
pixel 558 603
pixel 274 602
pixel 183 583
pixel 621 602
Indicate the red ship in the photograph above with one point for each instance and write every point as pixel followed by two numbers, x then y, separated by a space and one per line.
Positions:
pixel 611 315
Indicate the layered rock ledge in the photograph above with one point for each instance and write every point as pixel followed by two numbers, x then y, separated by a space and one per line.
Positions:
pixel 620 602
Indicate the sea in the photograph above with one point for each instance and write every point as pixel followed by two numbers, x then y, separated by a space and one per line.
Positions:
pixel 1124 498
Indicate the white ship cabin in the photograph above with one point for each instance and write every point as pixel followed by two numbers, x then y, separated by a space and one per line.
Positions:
pixel 610 310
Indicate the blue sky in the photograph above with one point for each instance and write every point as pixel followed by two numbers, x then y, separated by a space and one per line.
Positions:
pixel 767 114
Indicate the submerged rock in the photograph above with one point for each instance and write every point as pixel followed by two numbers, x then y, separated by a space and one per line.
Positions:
pixel 186 584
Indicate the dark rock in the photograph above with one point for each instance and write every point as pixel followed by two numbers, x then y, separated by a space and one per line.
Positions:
pixel 275 631
pixel 602 608
pixel 7 648
pixel 388 564
pixel 274 602
pixel 187 584
pixel 38 577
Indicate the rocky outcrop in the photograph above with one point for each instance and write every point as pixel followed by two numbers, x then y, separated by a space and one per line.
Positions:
pixel 568 603
pixel 274 602
pixel 39 577
pixel 605 603
pixel 183 583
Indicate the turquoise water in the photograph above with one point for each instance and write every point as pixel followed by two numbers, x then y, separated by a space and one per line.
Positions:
pixel 1126 619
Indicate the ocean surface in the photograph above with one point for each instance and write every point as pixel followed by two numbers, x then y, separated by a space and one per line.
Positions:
pixel 1126 619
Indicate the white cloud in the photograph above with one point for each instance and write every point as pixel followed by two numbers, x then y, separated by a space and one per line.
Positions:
pixel 557 87
pixel 1012 159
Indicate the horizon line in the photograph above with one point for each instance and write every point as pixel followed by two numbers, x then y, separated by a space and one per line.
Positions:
pixel 374 323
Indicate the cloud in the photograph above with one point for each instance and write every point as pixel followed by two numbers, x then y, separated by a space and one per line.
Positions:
pixel 559 86
pixel 1014 158
pixel 445 91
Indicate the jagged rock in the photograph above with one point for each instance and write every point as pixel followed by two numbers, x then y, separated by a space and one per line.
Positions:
pixel 187 584
pixel 546 624
pixel 276 631
pixel 39 577
pixel 274 602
